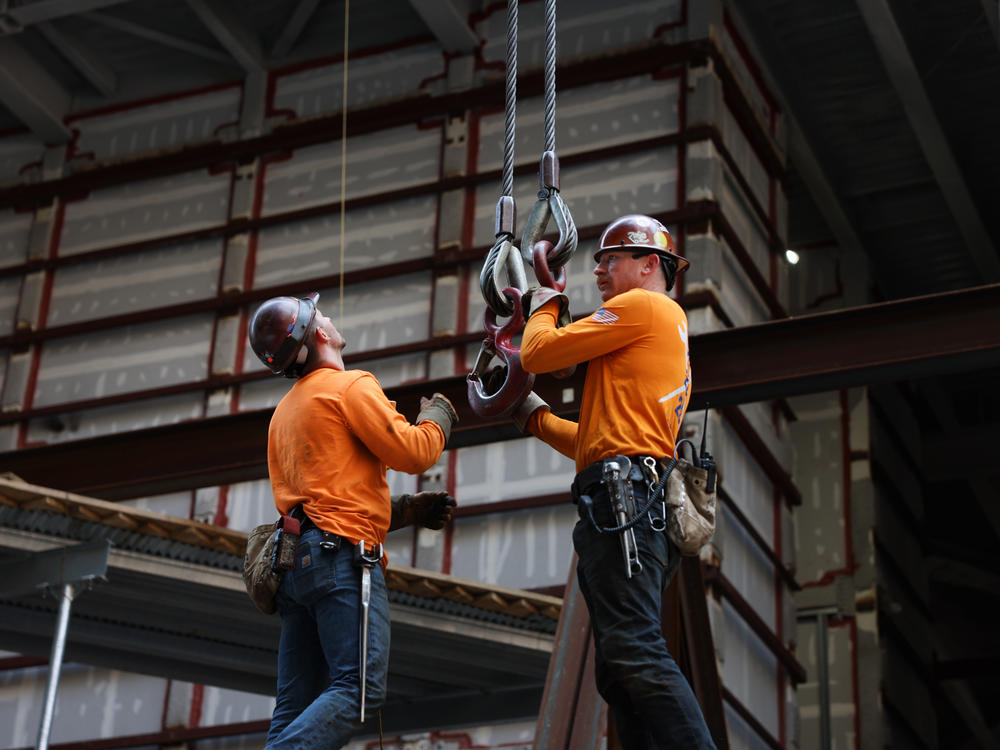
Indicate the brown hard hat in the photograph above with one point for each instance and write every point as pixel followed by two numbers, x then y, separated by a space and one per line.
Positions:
pixel 277 331
pixel 640 233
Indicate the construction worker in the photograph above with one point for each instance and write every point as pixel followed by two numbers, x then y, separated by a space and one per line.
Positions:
pixel 636 391
pixel 330 441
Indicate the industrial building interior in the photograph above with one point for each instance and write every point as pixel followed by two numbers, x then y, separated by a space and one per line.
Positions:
pixel 836 192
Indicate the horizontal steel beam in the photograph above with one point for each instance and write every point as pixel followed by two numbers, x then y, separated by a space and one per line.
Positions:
pixel 901 340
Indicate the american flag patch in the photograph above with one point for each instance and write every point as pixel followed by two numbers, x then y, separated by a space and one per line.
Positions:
pixel 605 316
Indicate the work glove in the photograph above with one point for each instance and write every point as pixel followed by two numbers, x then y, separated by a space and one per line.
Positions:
pixel 438 409
pixel 536 296
pixel 432 510
pixel 529 406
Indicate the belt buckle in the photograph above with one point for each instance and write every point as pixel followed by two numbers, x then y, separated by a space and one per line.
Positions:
pixel 330 541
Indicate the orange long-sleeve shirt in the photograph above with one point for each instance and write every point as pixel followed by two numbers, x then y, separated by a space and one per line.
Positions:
pixel 638 380
pixel 330 440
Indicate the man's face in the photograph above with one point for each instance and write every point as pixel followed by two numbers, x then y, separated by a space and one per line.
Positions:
pixel 617 271
pixel 326 325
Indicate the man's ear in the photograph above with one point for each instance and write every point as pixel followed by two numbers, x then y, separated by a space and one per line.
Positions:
pixel 650 264
pixel 320 335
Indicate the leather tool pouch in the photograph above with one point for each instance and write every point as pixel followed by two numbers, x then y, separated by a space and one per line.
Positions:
pixel 690 500
pixel 270 552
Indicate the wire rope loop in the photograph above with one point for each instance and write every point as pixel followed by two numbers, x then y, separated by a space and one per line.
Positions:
pixel 502 261
pixel 553 207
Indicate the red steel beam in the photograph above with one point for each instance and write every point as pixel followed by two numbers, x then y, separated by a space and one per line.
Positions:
pixel 934 335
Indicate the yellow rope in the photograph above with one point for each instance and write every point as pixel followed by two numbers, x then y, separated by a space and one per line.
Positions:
pixel 343 164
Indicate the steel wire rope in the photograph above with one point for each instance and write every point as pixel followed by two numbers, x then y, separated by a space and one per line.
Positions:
pixel 503 257
pixel 343 163
pixel 550 203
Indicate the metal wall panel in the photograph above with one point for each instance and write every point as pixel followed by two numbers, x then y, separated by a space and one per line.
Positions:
pixel 589 117
pixel 143 210
pixel 14 230
pixel 596 192
pixel 120 360
pixel 584 26
pixel 87 423
pixel 741 735
pixel 750 671
pixel 517 549
pixel 376 163
pixel 17 153
pixel 741 300
pixel 744 564
pixel 161 125
pixel 511 469
pixel 744 480
pixel 93 703
pixel 745 221
pixel 374 235
pixel 392 74
pixel 10 295
pixel 819 455
pixel 125 284
pixel 750 167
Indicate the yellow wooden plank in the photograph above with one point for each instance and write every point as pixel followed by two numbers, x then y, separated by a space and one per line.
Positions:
pixel 521 608
pixel 458 594
pixel 423 587
pixel 44 502
pixel 492 601
pixel 120 521
pixel 152 529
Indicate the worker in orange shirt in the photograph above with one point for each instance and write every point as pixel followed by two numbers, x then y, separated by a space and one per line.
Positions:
pixel 329 443
pixel 636 391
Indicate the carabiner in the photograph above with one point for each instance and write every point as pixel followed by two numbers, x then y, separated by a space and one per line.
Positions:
pixel 517 382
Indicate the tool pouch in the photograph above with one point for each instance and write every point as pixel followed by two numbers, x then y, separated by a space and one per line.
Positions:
pixel 270 552
pixel 690 500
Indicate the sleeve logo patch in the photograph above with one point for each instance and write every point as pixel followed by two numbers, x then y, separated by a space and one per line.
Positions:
pixel 605 316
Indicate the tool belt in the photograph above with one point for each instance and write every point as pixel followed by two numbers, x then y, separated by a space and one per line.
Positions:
pixel 679 495
pixel 330 540
pixel 271 551
pixel 590 483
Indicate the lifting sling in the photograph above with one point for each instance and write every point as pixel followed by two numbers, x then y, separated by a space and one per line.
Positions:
pixel 503 279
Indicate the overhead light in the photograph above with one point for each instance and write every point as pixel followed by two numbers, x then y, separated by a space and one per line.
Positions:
pixel 791 256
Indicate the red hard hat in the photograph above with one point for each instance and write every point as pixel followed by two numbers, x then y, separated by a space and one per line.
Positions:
pixel 278 329
pixel 639 232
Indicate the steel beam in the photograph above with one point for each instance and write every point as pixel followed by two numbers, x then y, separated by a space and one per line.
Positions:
pixel 446 20
pixel 47 10
pixel 238 39
pixel 32 94
pixel 906 79
pixel 144 32
pixel 296 23
pixel 87 64
pixel 901 340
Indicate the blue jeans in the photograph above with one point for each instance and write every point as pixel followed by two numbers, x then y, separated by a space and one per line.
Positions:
pixel 651 701
pixel 319 697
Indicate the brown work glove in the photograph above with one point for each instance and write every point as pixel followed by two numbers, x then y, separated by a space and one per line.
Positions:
pixel 432 510
pixel 529 406
pixel 438 409
pixel 536 296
